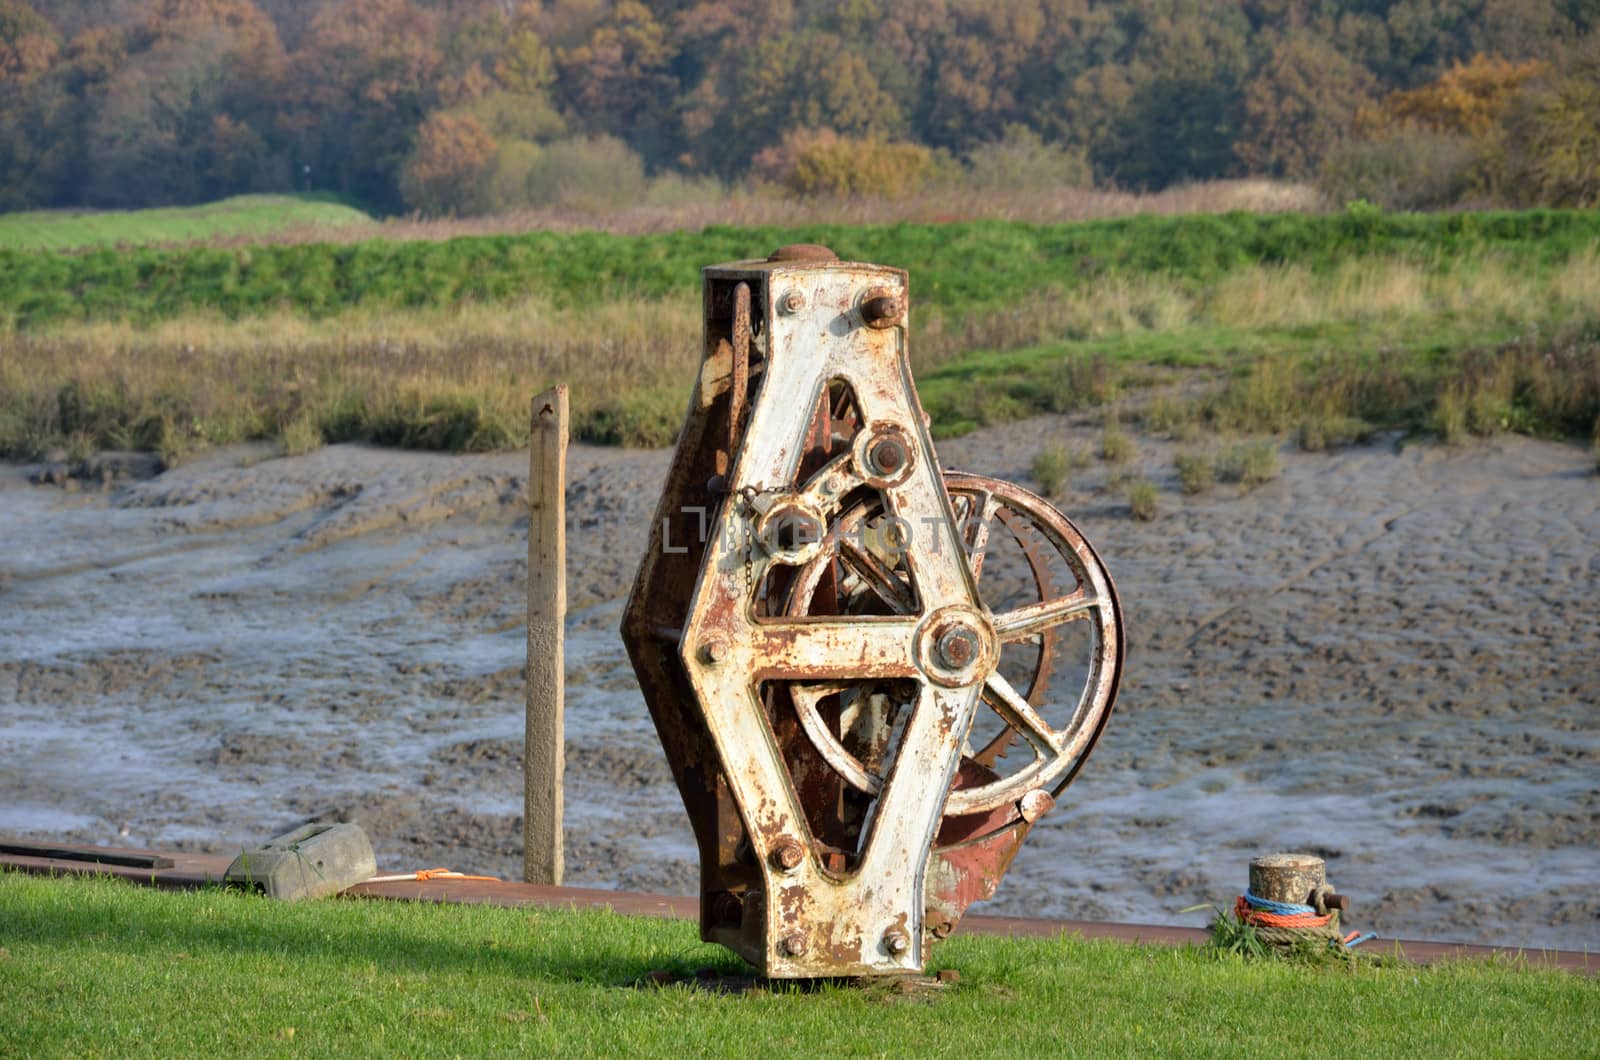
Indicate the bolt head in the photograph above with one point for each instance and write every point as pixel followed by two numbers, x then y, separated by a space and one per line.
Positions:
pixel 788 856
pixel 793 945
pixel 881 309
pixel 714 650
pixel 791 303
pixel 888 456
pixel 896 942
pixel 958 646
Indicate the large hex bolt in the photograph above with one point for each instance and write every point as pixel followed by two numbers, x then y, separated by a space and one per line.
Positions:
pixel 957 646
pixel 895 941
pixel 788 855
pixel 793 945
pixel 882 308
pixel 888 455
pixel 791 303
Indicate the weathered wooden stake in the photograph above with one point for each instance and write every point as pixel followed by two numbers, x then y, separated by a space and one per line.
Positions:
pixel 1287 877
pixel 544 756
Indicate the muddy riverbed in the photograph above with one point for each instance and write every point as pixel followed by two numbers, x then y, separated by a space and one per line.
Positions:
pixel 1389 656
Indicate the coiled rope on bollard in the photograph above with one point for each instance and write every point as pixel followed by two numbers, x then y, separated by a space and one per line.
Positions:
pixel 1288 923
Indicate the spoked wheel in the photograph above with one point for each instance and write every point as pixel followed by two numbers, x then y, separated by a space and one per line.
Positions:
pixel 1056 616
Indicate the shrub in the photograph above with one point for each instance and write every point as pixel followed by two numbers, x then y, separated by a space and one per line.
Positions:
pixel 1141 494
pixel 1404 170
pixel 1049 468
pixel 1115 446
pixel 1317 433
pixel 1172 417
pixel 648 419
pixel 1550 151
pixel 820 162
pixel 1080 381
pixel 505 183
pixel 299 435
pixel 1250 464
pixel 1021 161
pixel 1469 98
pixel 1194 473
pixel 587 172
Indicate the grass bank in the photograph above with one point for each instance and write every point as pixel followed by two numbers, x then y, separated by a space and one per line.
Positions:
pixel 1458 324
pixel 241 217
pixel 958 269
pixel 107 967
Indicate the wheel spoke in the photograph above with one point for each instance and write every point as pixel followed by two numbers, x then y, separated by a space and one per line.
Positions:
pixel 1020 715
pixel 1033 619
pixel 872 570
pixel 862 649
pixel 981 510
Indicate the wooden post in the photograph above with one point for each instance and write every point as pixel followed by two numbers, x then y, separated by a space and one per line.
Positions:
pixel 544 755
pixel 1287 877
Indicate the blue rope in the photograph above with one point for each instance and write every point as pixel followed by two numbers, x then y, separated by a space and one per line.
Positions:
pixel 1281 908
pixel 1293 908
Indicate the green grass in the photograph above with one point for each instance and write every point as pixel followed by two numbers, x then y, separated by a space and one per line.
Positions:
pixel 243 216
pixel 103 968
pixel 956 269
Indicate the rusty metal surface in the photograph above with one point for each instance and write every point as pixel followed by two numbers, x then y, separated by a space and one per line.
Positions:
pixel 809 632
pixel 198 870
pixel 165 869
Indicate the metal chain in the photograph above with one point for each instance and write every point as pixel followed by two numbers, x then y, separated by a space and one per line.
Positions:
pixel 747 497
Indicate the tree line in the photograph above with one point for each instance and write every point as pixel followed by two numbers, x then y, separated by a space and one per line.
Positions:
pixel 460 106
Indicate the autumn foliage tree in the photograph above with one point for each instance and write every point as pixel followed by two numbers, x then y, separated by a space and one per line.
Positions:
pixel 137 102
pixel 445 168
pixel 1298 105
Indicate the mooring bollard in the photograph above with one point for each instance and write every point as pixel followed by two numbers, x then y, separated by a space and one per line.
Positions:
pixel 544 755
pixel 1289 902
pixel 1288 878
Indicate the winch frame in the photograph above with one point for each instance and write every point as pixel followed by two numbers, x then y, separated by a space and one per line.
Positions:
pixel 734 659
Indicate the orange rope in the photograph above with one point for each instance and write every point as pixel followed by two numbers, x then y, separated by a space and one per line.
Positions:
pixel 1247 915
pixel 424 875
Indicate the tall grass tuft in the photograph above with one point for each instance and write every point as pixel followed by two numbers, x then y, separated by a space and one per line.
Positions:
pixel 1115 445
pixel 1141 494
pixel 1195 474
pixel 1250 464
pixel 1049 469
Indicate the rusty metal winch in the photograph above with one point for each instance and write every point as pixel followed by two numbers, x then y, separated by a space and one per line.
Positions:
pixel 871 676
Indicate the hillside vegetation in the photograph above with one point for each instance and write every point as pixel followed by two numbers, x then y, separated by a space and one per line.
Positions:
pixel 956 268
pixel 1324 327
pixel 243 216
pixel 483 106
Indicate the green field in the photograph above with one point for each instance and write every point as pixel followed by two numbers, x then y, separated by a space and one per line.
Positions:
pixel 1323 327
pixel 249 216
pixel 103 968
pixel 956 268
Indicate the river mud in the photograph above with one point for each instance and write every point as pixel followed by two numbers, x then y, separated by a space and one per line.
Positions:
pixel 1387 656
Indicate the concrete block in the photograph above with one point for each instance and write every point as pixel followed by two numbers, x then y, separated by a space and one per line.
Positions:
pixel 310 862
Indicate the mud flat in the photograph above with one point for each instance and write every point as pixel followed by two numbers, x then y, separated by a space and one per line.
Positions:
pixel 1387 656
